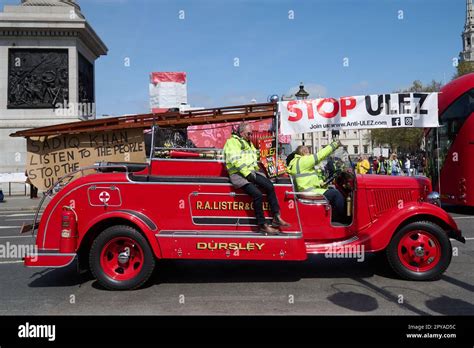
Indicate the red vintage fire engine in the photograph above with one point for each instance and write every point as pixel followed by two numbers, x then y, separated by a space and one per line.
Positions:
pixel 122 219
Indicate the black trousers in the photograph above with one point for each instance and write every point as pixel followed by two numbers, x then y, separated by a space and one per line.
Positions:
pixel 253 190
pixel 337 203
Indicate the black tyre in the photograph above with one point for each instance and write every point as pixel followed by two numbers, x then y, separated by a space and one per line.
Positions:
pixel 420 251
pixel 121 258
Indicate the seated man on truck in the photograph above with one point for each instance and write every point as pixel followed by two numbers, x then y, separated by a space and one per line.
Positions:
pixel 241 158
pixel 302 168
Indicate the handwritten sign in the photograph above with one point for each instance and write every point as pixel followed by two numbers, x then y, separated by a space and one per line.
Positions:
pixel 50 158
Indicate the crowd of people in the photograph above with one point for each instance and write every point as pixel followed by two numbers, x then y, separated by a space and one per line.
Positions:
pixel 405 164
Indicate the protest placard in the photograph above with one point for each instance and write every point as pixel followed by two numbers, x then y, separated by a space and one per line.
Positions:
pixel 50 158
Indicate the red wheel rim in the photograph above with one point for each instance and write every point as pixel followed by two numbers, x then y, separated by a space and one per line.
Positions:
pixel 419 251
pixel 122 258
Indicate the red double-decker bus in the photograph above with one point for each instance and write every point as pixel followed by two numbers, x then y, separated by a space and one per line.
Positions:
pixel 451 147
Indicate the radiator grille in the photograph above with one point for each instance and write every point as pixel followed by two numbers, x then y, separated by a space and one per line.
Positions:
pixel 386 199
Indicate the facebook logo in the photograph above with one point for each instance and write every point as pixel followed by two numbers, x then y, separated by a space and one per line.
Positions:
pixel 396 122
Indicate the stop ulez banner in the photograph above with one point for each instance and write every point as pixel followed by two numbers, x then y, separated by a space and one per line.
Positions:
pixel 50 158
pixel 394 110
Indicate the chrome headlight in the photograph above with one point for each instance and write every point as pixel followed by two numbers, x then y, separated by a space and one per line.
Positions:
pixel 434 198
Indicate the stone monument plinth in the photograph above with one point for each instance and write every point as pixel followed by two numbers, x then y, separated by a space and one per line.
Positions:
pixel 47 55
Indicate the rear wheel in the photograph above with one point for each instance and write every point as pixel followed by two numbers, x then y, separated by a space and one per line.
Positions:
pixel 121 258
pixel 420 251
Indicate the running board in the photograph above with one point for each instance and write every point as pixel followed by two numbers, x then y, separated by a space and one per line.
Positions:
pixel 317 248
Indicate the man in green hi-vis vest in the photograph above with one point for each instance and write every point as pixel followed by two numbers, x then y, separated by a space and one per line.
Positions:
pixel 302 168
pixel 241 158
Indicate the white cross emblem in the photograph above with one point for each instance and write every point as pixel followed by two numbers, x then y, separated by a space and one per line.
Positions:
pixel 104 197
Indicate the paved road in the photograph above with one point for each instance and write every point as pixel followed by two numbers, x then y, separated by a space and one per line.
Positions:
pixel 317 286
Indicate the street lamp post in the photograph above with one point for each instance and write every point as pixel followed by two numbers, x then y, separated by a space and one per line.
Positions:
pixel 301 94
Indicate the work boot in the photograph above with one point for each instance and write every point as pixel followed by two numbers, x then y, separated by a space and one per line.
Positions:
pixel 267 229
pixel 279 222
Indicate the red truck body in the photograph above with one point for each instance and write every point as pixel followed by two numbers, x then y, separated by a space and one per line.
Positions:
pixel 187 209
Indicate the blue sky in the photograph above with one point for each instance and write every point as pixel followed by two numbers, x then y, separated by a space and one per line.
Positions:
pixel 275 53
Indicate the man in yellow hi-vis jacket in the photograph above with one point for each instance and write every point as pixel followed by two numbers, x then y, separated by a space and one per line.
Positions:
pixel 241 159
pixel 302 168
pixel 362 166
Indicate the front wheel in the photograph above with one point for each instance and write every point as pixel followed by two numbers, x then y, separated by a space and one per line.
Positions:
pixel 420 251
pixel 121 258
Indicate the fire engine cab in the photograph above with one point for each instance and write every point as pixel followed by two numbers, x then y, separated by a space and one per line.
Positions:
pixel 123 218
